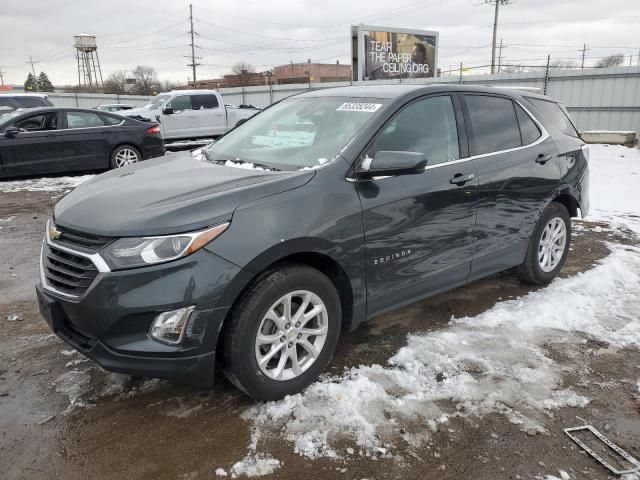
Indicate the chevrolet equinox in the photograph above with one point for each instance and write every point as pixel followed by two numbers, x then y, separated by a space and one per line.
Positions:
pixel 324 210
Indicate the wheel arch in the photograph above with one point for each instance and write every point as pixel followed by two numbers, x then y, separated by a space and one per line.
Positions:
pixel 569 200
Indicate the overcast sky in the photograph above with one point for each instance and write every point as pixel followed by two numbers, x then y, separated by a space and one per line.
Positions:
pixel 268 33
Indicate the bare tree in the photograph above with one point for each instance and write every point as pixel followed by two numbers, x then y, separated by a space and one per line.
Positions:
pixel 167 85
pixel 512 69
pixel 243 69
pixel 564 64
pixel 611 61
pixel 116 83
pixel 146 80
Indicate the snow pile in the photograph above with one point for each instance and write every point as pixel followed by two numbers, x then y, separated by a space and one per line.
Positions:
pixel 495 362
pixel 45 184
pixel 614 173
pixel 254 466
pixel 245 165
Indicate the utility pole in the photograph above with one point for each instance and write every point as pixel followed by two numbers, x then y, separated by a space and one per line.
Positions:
pixel 1 76
pixel 639 57
pixel 32 67
pixel 584 51
pixel 495 30
pixel 500 55
pixel 193 63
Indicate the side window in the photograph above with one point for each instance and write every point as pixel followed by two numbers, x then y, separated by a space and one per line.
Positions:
pixel 555 114
pixel 529 131
pixel 31 102
pixel 111 120
pixel 183 102
pixel 427 126
pixel 204 101
pixel 38 123
pixel 83 120
pixel 494 123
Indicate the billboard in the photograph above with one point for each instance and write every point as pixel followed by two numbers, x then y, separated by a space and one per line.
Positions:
pixel 381 53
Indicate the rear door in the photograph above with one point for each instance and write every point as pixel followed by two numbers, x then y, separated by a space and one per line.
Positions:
pixel 210 115
pixel 85 141
pixel 518 172
pixel 419 228
pixel 35 149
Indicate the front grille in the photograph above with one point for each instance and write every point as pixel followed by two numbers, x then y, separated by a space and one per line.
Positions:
pixel 86 241
pixel 66 272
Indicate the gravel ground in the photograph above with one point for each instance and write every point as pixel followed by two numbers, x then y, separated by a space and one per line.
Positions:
pixel 64 417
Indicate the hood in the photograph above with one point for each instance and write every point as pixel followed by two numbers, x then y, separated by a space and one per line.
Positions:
pixel 173 194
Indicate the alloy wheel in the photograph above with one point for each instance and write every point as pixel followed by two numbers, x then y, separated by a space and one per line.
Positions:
pixel 126 156
pixel 552 243
pixel 291 335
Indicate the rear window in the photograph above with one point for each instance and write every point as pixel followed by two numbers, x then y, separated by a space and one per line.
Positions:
pixel 494 123
pixel 555 114
pixel 32 102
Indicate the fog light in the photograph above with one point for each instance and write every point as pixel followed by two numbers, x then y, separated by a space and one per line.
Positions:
pixel 169 327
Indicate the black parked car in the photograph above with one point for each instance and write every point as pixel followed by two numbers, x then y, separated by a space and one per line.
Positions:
pixel 349 202
pixel 55 140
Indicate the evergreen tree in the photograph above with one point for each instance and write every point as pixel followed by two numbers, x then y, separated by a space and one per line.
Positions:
pixel 30 84
pixel 44 84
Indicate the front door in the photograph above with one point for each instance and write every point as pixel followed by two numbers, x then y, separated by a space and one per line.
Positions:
pixel 419 228
pixel 518 172
pixel 183 121
pixel 35 149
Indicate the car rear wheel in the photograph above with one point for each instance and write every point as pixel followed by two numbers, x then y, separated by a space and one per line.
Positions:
pixel 125 155
pixel 283 333
pixel 548 246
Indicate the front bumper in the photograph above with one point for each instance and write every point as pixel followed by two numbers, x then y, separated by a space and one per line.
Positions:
pixel 110 322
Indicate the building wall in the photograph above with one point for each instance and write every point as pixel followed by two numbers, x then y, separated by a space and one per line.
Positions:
pixel 319 72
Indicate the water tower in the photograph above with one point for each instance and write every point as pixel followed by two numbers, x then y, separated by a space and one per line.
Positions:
pixel 89 72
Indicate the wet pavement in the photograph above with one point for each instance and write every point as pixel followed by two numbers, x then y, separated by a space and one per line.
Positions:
pixel 61 416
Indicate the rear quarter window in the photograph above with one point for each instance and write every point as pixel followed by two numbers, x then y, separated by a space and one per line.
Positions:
pixel 555 114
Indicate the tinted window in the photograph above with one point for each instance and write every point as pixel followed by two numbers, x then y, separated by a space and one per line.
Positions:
pixel 204 101
pixel 183 102
pixel 494 123
pixel 6 102
pixel 556 115
pixel 427 126
pixel 83 120
pixel 38 123
pixel 31 102
pixel 529 131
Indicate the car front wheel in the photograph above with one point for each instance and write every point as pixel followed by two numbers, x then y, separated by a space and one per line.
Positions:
pixel 125 155
pixel 548 246
pixel 283 333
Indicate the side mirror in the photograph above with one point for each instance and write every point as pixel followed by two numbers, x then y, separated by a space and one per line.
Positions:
pixel 11 132
pixel 388 163
pixel 167 111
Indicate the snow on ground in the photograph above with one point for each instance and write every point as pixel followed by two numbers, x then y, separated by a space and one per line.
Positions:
pixel 44 184
pixel 614 173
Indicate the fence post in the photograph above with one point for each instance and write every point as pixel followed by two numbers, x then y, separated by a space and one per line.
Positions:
pixel 460 80
pixel 243 96
pixel 546 75
pixel 77 104
pixel 270 93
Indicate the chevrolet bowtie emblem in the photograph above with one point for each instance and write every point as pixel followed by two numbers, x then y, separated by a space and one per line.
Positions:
pixel 54 233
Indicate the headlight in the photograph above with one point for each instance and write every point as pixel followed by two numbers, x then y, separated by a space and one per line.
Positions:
pixel 142 251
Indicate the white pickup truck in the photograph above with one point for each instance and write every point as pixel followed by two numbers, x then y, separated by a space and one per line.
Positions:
pixel 190 114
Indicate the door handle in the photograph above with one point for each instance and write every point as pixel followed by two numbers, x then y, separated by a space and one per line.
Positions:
pixel 460 178
pixel 542 158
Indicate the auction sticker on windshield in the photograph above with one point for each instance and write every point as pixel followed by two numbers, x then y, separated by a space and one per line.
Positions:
pixel 359 107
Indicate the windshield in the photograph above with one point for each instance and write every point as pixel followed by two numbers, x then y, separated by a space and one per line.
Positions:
pixel 296 133
pixel 156 102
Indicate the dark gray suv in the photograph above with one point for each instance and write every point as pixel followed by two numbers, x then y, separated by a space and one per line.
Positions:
pixel 322 211
pixel 13 101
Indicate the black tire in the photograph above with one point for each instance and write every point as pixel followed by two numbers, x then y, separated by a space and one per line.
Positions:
pixel 121 148
pixel 239 361
pixel 530 270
